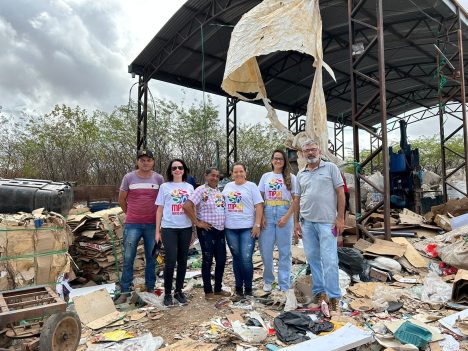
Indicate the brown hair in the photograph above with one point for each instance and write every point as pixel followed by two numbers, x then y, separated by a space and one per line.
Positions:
pixel 286 171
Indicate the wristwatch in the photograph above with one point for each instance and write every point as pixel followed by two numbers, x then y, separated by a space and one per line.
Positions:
pixel 257 225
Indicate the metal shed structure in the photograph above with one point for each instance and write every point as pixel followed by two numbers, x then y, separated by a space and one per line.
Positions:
pixel 389 58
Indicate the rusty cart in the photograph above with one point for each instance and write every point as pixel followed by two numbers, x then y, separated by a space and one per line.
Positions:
pixel 38 313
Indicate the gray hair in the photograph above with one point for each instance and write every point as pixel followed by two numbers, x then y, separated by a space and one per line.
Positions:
pixel 310 142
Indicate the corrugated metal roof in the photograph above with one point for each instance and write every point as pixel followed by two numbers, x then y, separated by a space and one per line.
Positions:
pixel 412 27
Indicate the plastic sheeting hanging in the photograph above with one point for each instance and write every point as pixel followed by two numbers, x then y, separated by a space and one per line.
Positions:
pixel 280 26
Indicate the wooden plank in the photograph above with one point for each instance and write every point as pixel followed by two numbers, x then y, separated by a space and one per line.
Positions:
pixel 411 254
pixel 3 304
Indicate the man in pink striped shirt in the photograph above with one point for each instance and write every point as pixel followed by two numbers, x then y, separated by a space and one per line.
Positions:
pixel 138 192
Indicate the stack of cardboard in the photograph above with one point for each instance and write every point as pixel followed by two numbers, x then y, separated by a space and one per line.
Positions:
pixel 97 248
pixel 33 249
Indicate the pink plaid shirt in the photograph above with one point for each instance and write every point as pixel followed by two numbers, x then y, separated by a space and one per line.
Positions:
pixel 210 205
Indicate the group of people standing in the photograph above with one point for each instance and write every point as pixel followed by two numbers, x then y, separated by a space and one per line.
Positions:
pixel 310 206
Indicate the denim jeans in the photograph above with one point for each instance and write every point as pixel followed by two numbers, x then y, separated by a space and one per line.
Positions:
pixel 320 247
pixel 242 246
pixel 213 244
pixel 131 237
pixel 176 243
pixel 282 237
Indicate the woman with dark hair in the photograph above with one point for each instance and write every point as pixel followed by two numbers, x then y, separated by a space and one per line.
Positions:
pixel 174 227
pixel 206 207
pixel 278 189
pixel 244 211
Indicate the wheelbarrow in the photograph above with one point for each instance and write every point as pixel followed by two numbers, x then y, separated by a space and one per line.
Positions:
pixel 38 313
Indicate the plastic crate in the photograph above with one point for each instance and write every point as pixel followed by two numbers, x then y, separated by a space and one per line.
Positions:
pixel 409 333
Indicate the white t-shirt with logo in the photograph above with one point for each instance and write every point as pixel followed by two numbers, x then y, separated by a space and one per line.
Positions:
pixel 172 196
pixel 240 204
pixel 274 188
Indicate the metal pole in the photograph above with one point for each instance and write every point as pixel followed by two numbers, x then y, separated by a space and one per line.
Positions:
pixel 462 93
pixel 443 172
pixel 354 109
pixel 383 112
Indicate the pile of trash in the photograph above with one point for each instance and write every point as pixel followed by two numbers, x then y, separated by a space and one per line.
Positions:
pixel 97 247
pixel 33 248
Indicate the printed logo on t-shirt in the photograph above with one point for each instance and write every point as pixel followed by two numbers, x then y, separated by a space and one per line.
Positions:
pixel 274 192
pixel 234 199
pixel 179 196
pixel 219 200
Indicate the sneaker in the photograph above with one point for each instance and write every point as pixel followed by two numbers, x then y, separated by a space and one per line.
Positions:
pixel 210 296
pixel 179 296
pixel 168 300
pixel 222 293
pixel 122 298
pixel 267 287
pixel 317 301
pixel 334 307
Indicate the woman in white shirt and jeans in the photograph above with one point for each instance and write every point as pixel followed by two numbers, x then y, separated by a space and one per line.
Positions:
pixel 174 227
pixel 244 210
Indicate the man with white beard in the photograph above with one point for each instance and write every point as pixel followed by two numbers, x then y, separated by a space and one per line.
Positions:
pixel 319 219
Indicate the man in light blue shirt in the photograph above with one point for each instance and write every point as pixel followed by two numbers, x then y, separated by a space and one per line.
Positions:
pixel 321 205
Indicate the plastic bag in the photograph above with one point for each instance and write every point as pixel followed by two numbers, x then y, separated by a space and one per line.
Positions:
pixel 455 254
pixel 291 301
pixel 145 342
pixel 344 281
pixel 435 290
pixel 382 296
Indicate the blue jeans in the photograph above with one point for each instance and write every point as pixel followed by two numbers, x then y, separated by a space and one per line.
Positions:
pixel 242 246
pixel 282 237
pixel 131 237
pixel 320 247
pixel 213 245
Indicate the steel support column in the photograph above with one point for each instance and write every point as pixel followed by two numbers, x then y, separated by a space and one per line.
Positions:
pixel 451 81
pixel 142 117
pixel 462 94
pixel 231 133
pixel 295 124
pixel 354 19
pixel 338 129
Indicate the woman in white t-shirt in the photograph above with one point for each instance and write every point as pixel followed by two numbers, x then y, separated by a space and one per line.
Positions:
pixel 174 227
pixel 278 189
pixel 244 210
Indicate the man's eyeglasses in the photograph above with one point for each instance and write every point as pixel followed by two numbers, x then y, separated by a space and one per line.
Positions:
pixel 310 150
pixel 180 168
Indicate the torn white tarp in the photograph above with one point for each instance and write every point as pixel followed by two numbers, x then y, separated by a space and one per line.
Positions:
pixel 279 26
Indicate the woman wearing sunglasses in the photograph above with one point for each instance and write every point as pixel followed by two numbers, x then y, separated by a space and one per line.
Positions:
pixel 278 188
pixel 174 228
pixel 244 210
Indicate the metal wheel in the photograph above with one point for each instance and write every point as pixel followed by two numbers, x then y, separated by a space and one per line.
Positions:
pixel 61 332
pixel 5 341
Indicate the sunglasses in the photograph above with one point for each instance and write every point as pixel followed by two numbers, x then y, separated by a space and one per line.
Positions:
pixel 180 168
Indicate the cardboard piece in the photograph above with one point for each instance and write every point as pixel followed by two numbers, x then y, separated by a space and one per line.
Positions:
pixel 443 222
pixel 361 304
pixel 409 217
pixel 394 325
pixel 235 316
pixel 96 309
pixel 188 344
pixel 345 338
pixel 411 254
pixel 460 287
pixel 386 248
pixel 450 321
pixel 393 344
pixel 364 289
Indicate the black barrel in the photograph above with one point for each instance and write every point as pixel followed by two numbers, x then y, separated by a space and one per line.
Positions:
pixel 26 195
